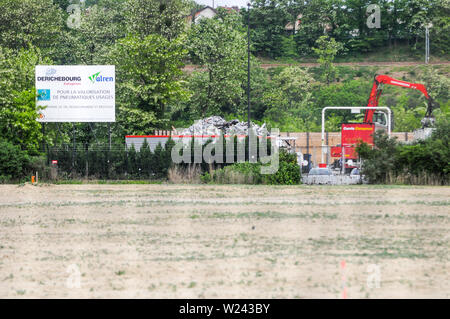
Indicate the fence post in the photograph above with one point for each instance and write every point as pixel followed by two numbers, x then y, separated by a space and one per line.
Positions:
pixel 86 147
pixel 314 156
pixel 74 145
pixel 307 143
pixel 109 150
pixel 126 160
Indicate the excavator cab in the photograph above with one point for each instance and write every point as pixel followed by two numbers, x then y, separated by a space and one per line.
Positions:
pixel 380 118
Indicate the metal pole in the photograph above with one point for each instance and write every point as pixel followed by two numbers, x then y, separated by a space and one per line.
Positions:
pixel 109 135
pixel 323 130
pixel 248 67
pixel 109 151
pixel 45 144
pixel 427 43
pixel 73 151
pixel 43 137
pixel 86 148
pixel 307 148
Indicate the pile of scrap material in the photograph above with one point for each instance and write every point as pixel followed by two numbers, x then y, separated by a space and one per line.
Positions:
pixel 214 125
pixel 422 134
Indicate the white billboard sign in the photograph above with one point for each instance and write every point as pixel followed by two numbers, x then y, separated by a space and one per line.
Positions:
pixel 76 93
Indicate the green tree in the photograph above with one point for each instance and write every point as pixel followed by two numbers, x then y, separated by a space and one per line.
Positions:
pixel 418 13
pixel 166 18
pixel 14 162
pixel 317 18
pixel 101 25
pixel 259 85
pixel 267 21
pixel 18 111
pixel 438 85
pixel 148 72
pixel 327 49
pixel 216 45
pixel 289 100
pixel 406 119
pixel 31 22
pixel 440 32
pixel 378 162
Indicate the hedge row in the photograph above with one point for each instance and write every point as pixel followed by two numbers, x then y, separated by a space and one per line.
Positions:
pixel 99 161
pixel 424 162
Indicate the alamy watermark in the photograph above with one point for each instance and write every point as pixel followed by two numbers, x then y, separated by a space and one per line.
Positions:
pixel 74 279
pixel 74 18
pixel 374 276
pixel 374 19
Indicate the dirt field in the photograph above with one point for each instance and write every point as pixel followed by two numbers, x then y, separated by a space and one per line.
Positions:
pixel 201 241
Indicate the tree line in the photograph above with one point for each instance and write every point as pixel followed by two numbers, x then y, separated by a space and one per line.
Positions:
pixel 401 22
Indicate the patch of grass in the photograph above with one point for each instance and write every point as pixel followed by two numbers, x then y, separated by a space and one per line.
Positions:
pixel 120 272
pixel 11 276
pixel 68 182
pixel 192 284
pixel 103 182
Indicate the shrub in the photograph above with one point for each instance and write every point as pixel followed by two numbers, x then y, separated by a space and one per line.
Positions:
pixel 288 173
pixel 379 161
pixel 239 173
pixel 14 163
pixel 424 162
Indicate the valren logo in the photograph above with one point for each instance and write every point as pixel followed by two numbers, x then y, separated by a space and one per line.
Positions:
pixel 99 78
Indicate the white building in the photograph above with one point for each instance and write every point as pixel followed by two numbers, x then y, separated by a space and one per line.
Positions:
pixel 206 12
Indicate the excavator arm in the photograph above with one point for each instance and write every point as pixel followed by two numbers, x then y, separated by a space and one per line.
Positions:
pixel 377 88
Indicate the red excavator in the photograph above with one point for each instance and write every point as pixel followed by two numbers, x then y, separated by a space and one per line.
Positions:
pixel 354 133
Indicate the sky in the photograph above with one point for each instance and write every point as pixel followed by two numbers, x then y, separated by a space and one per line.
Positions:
pixel 228 3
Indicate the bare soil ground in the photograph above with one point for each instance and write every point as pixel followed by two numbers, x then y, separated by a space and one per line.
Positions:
pixel 210 241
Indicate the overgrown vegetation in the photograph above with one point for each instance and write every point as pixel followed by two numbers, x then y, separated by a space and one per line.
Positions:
pixel 424 162
pixel 14 162
pixel 288 173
